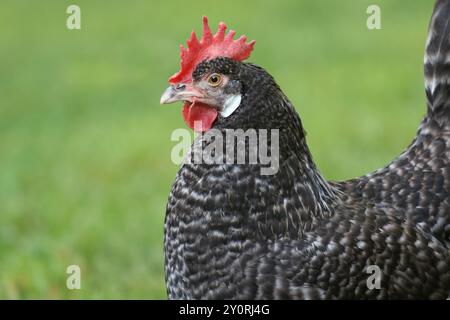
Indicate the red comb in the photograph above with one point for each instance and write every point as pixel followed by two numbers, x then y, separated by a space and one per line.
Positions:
pixel 210 47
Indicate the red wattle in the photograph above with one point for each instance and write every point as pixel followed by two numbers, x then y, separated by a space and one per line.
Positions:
pixel 199 116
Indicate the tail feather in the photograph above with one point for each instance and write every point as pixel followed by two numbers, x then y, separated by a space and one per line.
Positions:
pixel 437 60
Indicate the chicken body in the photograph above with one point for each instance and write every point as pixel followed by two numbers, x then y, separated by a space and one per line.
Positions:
pixel 232 233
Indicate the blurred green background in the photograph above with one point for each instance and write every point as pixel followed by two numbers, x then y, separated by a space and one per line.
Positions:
pixel 85 145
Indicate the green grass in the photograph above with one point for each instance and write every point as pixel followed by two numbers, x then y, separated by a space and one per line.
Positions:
pixel 85 146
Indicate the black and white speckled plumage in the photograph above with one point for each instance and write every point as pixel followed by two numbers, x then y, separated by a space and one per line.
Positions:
pixel 232 233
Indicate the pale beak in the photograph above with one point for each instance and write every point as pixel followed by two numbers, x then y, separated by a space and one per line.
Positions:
pixel 180 92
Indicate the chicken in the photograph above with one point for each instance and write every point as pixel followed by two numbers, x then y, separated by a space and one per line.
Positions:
pixel 232 232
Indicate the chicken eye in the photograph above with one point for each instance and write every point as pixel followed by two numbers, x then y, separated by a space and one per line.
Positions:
pixel 215 80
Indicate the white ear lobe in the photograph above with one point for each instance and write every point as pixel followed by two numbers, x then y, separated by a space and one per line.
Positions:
pixel 230 105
